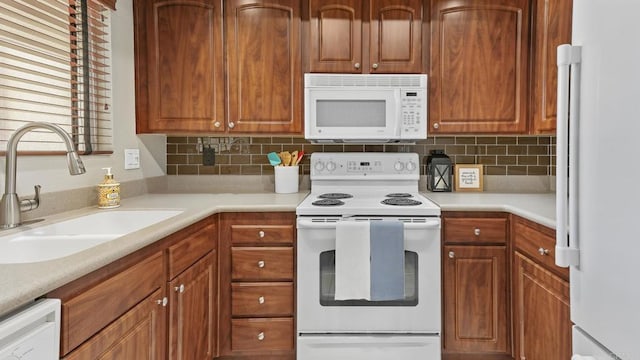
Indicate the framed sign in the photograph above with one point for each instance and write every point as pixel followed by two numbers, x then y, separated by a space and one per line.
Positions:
pixel 469 177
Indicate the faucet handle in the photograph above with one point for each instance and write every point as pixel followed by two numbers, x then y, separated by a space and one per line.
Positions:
pixel 31 204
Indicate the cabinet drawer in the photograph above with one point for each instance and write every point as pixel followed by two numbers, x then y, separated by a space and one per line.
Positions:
pixel 475 230
pixel 188 251
pixel 262 334
pixel 262 263
pixel 89 312
pixel 537 246
pixel 262 299
pixel 262 234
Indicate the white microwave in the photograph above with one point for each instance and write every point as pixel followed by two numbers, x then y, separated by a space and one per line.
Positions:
pixel 367 108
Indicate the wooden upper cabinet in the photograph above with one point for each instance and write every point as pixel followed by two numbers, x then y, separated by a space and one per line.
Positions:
pixel 552 27
pixel 179 66
pixel 479 66
pixel 339 29
pixel 264 73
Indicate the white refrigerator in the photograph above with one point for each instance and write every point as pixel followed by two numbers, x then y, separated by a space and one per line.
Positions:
pixel 598 177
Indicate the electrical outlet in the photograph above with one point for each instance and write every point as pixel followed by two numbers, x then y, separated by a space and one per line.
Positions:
pixel 208 156
pixel 131 159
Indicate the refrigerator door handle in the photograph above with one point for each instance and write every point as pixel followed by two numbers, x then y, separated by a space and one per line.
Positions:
pixel 569 57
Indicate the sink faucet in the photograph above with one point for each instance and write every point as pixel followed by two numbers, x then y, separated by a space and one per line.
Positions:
pixel 10 205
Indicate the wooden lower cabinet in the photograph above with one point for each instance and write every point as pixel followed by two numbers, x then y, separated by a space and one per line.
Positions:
pixel 257 286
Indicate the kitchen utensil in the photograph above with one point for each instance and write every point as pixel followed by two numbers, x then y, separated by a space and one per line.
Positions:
pixel 274 159
pixel 286 158
pixel 299 157
pixel 294 157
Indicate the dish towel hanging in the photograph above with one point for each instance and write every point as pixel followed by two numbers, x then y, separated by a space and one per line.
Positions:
pixel 387 260
pixel 353 269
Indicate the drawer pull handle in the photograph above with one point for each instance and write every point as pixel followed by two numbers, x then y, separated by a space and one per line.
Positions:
pixel 261 300
pixel 261 336
pixel 452 254
pixel 179 289
pixel 261 263
pixel 163 302
pixel 543 251
pixel 261 233
pixel 476 231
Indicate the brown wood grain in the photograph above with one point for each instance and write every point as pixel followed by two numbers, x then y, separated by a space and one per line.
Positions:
pixel 186 252
pixel 264 66
pixel 262 299
pixel 475 299
pixel 479 66
pixel 262 234
pixel 542 324
pixel 278 334
pixel 179 66
pixel 278 263
pixel 529 238
pixel 463 230
pixel 551 27
pixel 90 311
pixel 192 312
pixel 138 334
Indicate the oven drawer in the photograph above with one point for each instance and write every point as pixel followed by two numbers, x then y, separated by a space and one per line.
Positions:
pixel 475 230
pixel 262 263
pixel 262 299
pixel 261 234
pixel 262 334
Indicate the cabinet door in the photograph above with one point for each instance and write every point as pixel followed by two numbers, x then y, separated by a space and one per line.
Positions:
pixel 541 312
pixel 264 76
pixel 552 27
pixel 138 334
pixel 336 36
pixel 479 66
pixel 475 299
pixel 395 44
pixel 192 312
pixel 179 65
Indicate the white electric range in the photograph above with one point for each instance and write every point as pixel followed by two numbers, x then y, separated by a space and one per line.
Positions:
pixel 367 187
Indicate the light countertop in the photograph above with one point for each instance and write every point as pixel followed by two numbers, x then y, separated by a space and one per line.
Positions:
pixel 22 283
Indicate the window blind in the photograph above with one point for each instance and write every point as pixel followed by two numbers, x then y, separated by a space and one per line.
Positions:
pixel 55 67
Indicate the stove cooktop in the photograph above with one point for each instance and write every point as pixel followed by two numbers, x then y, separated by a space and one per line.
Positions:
pixel 414 204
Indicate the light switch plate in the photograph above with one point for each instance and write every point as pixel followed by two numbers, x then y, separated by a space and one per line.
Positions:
pixel 131 159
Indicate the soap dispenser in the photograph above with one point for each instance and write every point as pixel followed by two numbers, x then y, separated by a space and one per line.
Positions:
pixel 108 191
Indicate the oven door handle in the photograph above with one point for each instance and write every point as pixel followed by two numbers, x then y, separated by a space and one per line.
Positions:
pixel 425 225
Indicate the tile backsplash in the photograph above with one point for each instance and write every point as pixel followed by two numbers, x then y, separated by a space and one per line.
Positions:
pixel 501 155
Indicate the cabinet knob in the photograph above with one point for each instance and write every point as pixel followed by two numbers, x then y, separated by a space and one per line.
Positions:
pixel 261 300
pixel 164 301
pixel 543 251
pixel 356 65
pixel 261 336
pixel 436 126
pixel 452 254
pixel 476 231
pixel 261 263
pixel 179 289
pixel 217 124
pixel 375 66
pixel 231 125
pixel 261 233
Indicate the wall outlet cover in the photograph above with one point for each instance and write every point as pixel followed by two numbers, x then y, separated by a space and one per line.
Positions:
pixel 208 156
pixel 131 159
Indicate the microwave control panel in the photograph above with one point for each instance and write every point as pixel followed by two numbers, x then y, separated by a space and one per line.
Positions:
pixel 414 112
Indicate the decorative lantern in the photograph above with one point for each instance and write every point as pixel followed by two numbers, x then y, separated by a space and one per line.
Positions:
pixel 439 171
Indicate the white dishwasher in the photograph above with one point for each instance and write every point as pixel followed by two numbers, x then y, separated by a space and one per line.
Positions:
pixel 31 333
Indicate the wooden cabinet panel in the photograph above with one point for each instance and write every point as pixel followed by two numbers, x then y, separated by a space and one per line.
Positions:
pixel 396 36
pixel 86 314
pixel 192 311
pixel 541 312
pixel 537 245
pixel 475 230
pixel 261 263
pixel 179 66
pixel 263 66
pixel 262 334
pixel 138 334
pixel 475 299
pixel 262 299
pixel 479 66
pixel 551 27
pixel 262 234
pixel 186 252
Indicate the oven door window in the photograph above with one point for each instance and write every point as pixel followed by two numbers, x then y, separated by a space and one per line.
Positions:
pixel 328 278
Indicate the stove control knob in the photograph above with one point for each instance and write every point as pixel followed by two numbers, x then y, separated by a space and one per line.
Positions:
pixel 331 166
pixel 399 166
pixel 319 166
pixel 411 166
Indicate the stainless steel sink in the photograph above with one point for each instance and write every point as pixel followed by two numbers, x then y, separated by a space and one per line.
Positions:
pixel 68 237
